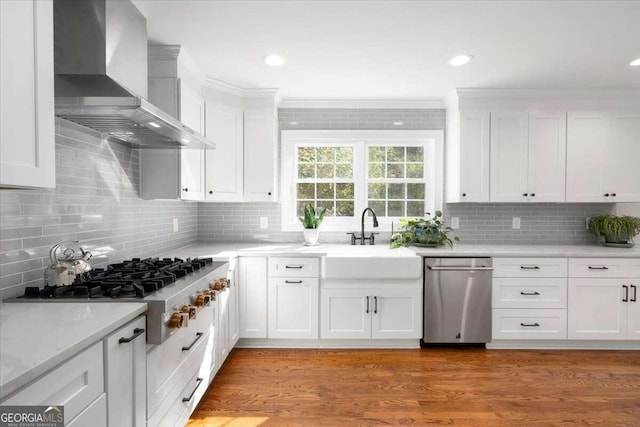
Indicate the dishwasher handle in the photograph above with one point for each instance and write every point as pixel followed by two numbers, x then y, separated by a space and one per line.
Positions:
pixel 482 268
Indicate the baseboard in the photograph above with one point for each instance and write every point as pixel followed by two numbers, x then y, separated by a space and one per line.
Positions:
pixel 563 345
pixel 297 343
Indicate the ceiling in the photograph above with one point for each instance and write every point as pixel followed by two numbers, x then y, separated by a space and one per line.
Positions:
pixel 399 49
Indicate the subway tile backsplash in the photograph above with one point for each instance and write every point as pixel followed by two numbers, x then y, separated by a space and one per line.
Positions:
pixel 96 202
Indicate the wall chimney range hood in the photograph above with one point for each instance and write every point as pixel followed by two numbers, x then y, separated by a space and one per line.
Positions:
pixel 101 75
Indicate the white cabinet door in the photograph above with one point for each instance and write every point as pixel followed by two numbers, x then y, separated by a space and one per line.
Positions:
pixel 547 157
pixel 27 144
pixel 253 297
pixel 596 310
pixel 621 159
pixel 293 308
pixel 192 174
pixel 345 313
pixel 191 107
pixel 224 341
pixel 397 313
pixel 633 310
pixel 587 143
pixel 474 156
pixel 260 141
pixel 125 368
pixel 232 307
pixel 224 174
pixel 508 157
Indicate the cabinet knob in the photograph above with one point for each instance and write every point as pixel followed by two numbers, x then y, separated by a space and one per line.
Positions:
pixel 185 189
pixel 606 194
pixel 533 194
pixel 269 193
pixel 525 194
pixel 613 194
pixel 210 192
pixel 464 194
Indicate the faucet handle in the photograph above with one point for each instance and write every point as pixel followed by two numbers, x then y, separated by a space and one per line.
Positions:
pixel 353 238
pixel 372 239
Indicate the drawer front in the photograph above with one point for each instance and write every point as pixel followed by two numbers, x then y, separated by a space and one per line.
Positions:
pixel 529 324
pixel 529 267
pixel 599 267
pixel 176 412
pixel 94 416
pixel 293 267
pixel 74 384
pixel 529 293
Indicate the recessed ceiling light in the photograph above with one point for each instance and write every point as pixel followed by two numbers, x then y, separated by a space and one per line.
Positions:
pixel 153 124
pixel 635 62
pixel 293 123
pixel 398 123
pixel 185 140
pixel 274 60
pixel 459 60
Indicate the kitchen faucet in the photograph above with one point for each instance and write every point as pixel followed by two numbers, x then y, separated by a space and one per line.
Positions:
pixel 362 238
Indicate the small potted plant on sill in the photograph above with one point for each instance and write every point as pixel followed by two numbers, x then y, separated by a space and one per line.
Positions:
pixel 311 220
pixel 615 231
pixel 423 232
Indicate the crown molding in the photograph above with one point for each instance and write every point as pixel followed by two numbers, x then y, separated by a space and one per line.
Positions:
pixel 623 93
pixel 163 52
pixel 418 103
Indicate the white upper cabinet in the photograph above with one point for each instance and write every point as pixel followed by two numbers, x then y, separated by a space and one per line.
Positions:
pixel 528 154
pixel 27 140
pixel 192 174
pixel 191 106
pixel 224 166
pixel 474 157
pixel 602 156
pixel 260 146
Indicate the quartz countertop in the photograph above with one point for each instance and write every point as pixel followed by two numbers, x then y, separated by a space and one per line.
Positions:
pixel 36 337
pixel 228 251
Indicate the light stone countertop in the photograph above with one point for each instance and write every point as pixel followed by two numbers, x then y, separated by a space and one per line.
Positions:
pixel 36 337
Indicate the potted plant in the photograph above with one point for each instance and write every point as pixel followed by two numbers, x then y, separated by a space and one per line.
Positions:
pixel 426 232
pixel 615 230
pixel 311 220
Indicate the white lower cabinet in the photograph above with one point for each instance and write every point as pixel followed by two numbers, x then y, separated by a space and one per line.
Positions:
pixel 93 415
pixel 252 297
pixel 378 313
pixel 529 323
pixel 125 368
pixel 293 308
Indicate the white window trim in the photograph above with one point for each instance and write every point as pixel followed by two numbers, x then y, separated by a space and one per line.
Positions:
pixel 382 137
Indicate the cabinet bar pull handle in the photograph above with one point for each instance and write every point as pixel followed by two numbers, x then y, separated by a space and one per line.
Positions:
pixel 533 325
pixel 626 293
pixel 198 336
pixel 375 305
pixel 429 267
pixel 297 267
pixel 598 268
pixel 136 333
pixel 198 382
pixel 367 310
pixel 530 293
pixel 635 291
pixel 293 281
pixel 529 267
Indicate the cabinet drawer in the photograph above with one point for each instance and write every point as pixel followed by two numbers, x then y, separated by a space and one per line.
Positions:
pixel 529 324
pixel 175 412
pixel 293 267
pixel 94 416
pixel 529 293
pixel 529 267
pixel 74 384
pixel 599 267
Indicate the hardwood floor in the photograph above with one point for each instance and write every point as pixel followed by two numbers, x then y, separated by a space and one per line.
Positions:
pixel 473 387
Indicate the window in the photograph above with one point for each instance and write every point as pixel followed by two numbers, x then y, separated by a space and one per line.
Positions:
pixel 396 173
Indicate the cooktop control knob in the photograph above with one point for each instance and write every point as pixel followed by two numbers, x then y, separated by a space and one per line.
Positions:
pixel 200 300
pixel 190 310
pixel 175 322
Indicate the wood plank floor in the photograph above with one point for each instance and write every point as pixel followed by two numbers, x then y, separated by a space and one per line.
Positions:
pixel 473 387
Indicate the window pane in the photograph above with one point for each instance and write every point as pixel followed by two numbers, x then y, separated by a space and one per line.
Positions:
pixel 415 154
pixel 306 171
pixel 306 191
pixel 300 206
pixel 395 154
pixel 415 209
pixel 376 170
pixel 415 191
pixel 378 207
pixel 325 191
pixel 344 191
pixel 395 208
pixel 395 170
pixel 344 154
pixel 344 208
pixel 344 170
pixel 376 154
pixel 326 154
pixel 325 204
pixel 415 170
pixel 377 190
pixel 325 171
pixel 306 154
pixel 396 191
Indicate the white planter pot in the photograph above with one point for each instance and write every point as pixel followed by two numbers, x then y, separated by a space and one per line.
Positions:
pixel 311 236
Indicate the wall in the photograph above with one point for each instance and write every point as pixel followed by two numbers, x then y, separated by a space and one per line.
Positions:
pixel 96 202
pixel 543 223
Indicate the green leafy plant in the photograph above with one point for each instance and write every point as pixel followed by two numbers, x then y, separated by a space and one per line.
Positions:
pixel 425 231
pixel 310 218
pixel 615 229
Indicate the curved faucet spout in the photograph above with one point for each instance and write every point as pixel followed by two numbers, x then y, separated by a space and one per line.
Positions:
pixel 375 223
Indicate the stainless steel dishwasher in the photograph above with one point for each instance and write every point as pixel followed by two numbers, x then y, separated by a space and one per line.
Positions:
pixel 457 300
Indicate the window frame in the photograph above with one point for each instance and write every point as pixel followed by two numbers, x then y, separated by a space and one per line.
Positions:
pixel 432 140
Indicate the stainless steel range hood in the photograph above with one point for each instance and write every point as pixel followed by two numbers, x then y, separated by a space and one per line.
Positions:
pixel 101 75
